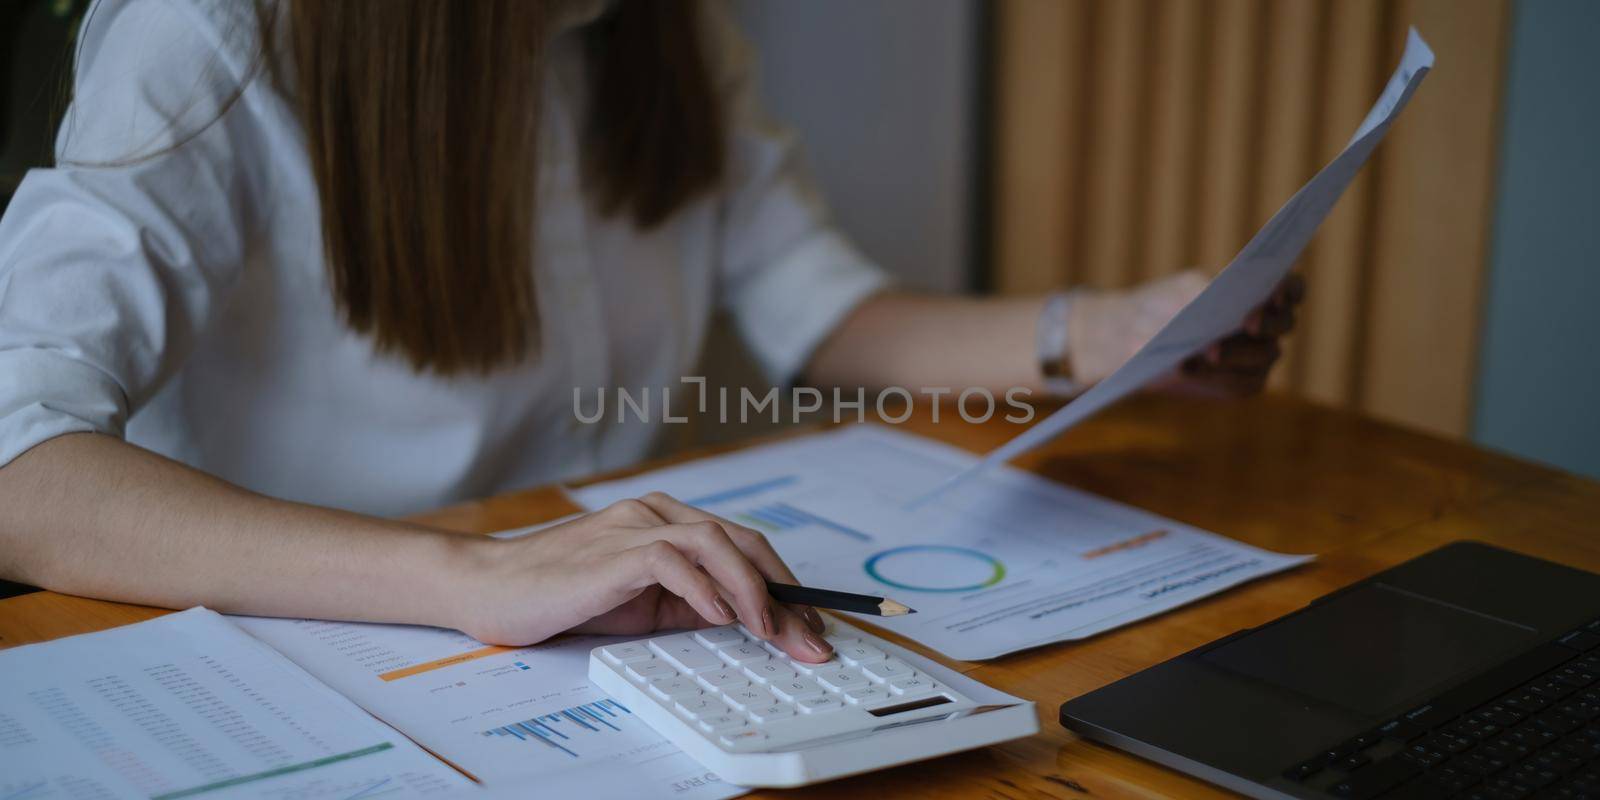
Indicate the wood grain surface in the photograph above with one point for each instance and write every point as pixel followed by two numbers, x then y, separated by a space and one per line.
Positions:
pixel 1272 471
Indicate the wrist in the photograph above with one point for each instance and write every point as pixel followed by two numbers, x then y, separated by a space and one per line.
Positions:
pixel 456 572
pixel 1052 342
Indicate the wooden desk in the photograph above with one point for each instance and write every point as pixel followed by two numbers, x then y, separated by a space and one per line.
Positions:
pixel 1270 471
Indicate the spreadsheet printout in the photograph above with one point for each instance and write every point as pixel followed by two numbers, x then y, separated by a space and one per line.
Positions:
pixel 189 706
pixel 1011 562
pixel 503 715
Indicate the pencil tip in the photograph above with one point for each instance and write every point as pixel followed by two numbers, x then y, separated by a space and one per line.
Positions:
pixel 890 608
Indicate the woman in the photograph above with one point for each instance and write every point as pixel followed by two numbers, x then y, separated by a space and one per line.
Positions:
pixel 304 262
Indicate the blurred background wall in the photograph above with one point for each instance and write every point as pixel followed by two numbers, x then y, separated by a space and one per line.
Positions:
pixel 884 95
pixel 1538 391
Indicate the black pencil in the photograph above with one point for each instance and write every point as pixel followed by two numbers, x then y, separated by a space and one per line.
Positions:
pixel 838 601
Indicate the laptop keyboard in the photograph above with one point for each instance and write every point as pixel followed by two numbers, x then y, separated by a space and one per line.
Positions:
pixel 1529 727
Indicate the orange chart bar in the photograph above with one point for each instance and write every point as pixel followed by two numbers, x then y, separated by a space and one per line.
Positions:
pixel 1126 544
pixel 429 666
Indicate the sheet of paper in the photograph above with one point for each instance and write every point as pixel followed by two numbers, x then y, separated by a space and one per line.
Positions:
pixel 600 784
pixel 503 715
pixel 1013 562
pixel 1243 286
pixel 189 706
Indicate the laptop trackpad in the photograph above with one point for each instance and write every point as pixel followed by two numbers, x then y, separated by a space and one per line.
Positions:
pixel 1371 648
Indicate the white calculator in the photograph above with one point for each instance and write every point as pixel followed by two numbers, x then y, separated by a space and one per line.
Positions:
pixel 757 717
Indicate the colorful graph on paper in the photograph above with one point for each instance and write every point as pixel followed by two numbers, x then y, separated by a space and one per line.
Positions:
pixel 570 729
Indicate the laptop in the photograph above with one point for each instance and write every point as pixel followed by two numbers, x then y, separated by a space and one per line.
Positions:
pixel 1470 671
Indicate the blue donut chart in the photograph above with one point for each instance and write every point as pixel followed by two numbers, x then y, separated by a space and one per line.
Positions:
pixel 997 569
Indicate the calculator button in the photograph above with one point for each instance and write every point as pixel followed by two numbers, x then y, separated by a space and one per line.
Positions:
pixel 729 678
pixel 747 739
pixel 774 649
pixel 857 653
pixel 685 653
pixel 719 637
pixel 772 712
pixel 626 653
pixel 888 670
pixel 865 694
pixel 721 722
pixel 697 707
pixel 741 654
pixel 769 671
pixel 654 668
pixel 911 686
pixel 842 679
pixel 796 688
pixel 817 705
pixel 808 668
pixel 748 698
pixel 674 687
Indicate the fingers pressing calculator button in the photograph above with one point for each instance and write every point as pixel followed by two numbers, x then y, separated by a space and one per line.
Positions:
pixel 808 668
pixel 720 637
pixel 888 670
pixel 817 705
pixel 654 668
pixel 796 688
pixel 696 707
pixel 769 671
pixel 749 707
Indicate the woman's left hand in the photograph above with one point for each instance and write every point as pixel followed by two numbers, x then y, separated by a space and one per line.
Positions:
pixel 1239 365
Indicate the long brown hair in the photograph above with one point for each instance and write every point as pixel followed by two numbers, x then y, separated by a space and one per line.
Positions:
pixel 421 119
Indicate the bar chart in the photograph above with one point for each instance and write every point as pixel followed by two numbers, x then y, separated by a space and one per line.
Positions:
pixel 574 730
pixel 780 517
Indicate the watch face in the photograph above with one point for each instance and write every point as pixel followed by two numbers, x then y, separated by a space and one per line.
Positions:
pixel 1051 338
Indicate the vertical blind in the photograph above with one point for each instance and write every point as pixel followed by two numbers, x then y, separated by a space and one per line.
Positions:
pixel 1135 138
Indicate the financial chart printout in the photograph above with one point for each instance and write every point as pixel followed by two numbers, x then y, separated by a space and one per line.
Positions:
pixel 1011 562
pixel 504 715
pixel 189 706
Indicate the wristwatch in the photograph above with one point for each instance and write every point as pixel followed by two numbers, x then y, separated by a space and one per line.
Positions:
pixel 1050 337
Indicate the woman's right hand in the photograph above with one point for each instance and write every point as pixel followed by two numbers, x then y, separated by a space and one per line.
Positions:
pixel 634 567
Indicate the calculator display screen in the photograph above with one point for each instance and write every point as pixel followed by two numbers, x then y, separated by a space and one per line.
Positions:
pixel 926 702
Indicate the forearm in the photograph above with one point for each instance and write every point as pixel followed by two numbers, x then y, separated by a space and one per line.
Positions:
pixel 915 341
pixel 92 515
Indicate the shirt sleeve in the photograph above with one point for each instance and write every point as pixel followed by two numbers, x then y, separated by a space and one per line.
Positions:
pixel 788 277
pixel 113 260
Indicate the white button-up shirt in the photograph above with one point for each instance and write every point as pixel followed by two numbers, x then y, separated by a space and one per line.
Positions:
pixel 181 299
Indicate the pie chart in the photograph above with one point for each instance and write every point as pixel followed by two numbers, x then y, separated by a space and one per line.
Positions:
pixel 935 568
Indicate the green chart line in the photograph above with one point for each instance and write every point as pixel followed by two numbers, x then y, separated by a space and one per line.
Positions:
pixel 273 773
